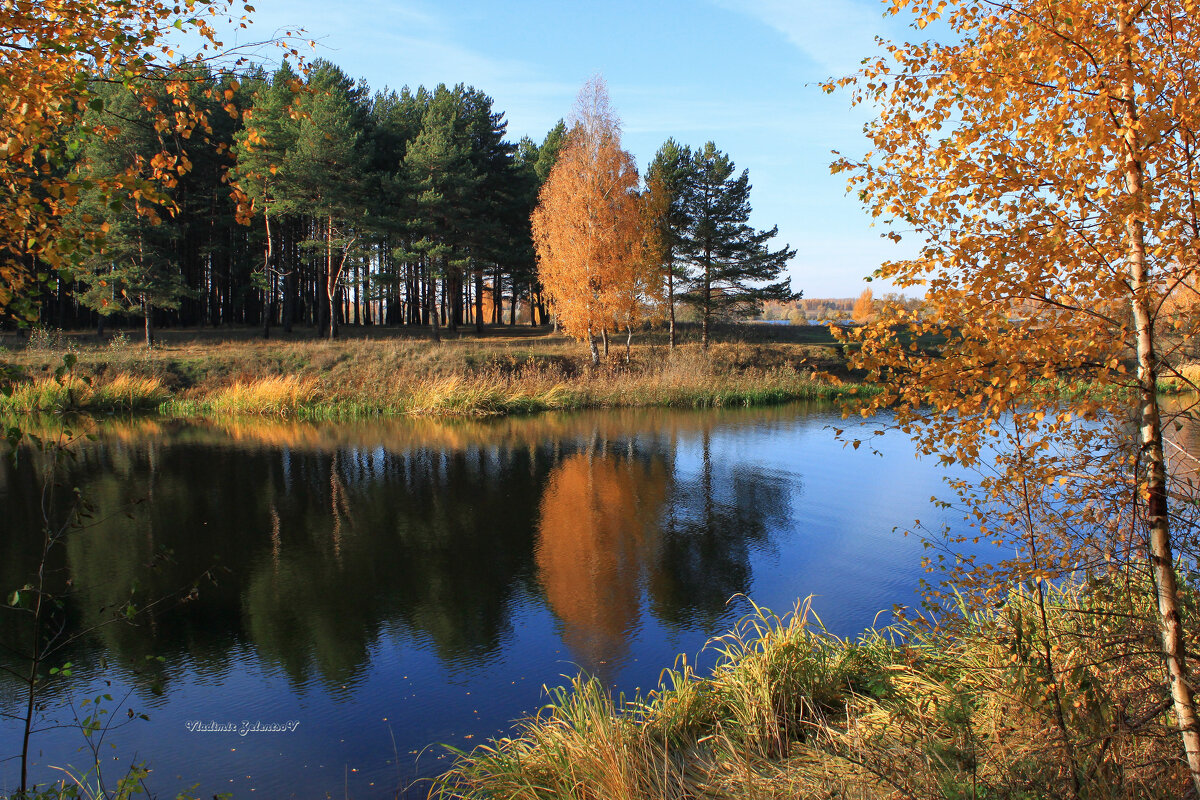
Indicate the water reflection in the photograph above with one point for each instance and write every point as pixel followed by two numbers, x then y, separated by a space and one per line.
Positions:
pixel 597 535
pixel 308 541
pixel 724 510
pixel 377 570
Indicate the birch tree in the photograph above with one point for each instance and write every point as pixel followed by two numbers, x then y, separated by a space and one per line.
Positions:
pixel 587 226
pixel 1046 160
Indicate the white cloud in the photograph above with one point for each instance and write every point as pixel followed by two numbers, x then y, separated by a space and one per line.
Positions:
pixel 835 34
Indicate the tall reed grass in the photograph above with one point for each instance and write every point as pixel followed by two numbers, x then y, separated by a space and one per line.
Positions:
pixel 792 711
pixel 120 393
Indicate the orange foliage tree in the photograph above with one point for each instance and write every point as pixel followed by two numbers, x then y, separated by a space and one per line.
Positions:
pixel 596 538
pixel 864 307
pixel 587 227
pixel 53 54
pixel 1047 160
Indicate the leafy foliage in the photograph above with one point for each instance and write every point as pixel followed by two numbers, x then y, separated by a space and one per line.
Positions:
pixel 55 57
pixel 587 226
pixel 1044 157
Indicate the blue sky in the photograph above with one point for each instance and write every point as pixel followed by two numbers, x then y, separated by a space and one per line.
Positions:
pixel 743 73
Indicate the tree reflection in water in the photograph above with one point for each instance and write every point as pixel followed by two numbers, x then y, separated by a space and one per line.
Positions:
pixel 311 543
pixel 621 519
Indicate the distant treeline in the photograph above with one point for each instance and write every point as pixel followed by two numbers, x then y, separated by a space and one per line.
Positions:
pixel 809 308
pixel 833 309
pixel 307 199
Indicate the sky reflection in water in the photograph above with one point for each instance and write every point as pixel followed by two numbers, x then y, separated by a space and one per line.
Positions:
pixel 418 582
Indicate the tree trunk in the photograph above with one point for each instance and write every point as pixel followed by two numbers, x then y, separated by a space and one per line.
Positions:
pixel 330 281
pixel 268 280
pixel 497 296
pixel 479 301
pixel 595 352
pixel 628 341
pixel 357 301
pixel 288 310
pixel 431 297
pixel 148 317
pixel 1157 512
pixel 370 315
pixel 671 302
pixel 604 335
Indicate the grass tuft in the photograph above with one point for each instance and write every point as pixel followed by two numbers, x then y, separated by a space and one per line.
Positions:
pixel 277 395
pixel 71 394
pixel 792 711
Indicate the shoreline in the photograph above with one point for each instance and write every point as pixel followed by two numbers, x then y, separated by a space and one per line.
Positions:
pixel 285 400
pixel 791 710
pixel 356 378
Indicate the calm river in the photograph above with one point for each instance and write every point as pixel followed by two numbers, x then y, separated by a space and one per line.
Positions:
pixel 380 589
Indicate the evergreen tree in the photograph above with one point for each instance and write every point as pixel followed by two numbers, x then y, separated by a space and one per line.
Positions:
pixel 667 177
pixel 326 166
pixel 534 164
pixel 133 271
pixel 262 145
pixel 728 260
pixel 547 154
pixel 395 121
pixel 500 188
pixel 521 257
pixel 445 181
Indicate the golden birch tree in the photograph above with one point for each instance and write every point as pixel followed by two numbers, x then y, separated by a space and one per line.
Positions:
pixel 1046 160
pixel 587 225
pixel 864 307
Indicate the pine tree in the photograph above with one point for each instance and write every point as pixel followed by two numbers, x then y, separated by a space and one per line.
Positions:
pixel 727 259
pixel 547 154
pixel 395 121
pixel 444 180
pixel 326 166
pixel 500 189
pixel 271 129
pixel 534 164
pixel 133 272
pixel 667 178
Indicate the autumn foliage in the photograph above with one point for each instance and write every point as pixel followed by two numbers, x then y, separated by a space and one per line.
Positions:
pixel 587 228
pixel 53 56
pixel 1046 160
pixel 864 307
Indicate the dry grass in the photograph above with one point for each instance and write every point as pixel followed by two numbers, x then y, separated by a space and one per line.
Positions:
pixel 793 712
pixel 363 377
pixel 277 395
pixel 119 393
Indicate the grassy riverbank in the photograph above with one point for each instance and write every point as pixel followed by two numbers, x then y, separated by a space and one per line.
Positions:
pixel 970 711
pixel 394 374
